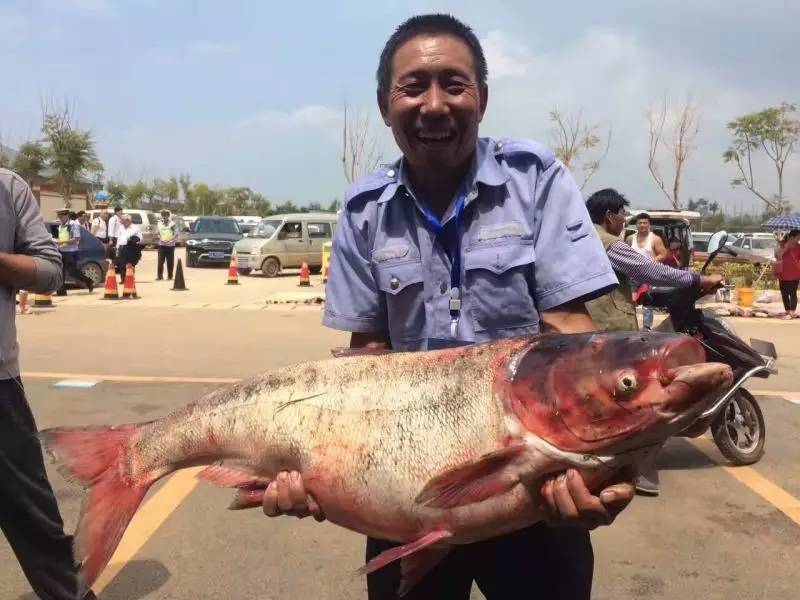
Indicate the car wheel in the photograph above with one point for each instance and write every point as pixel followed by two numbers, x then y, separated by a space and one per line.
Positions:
pixel 245 271
pixel 94 272
pixel 271 267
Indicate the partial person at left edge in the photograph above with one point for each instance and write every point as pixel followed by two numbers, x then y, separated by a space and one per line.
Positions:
pixel 29 515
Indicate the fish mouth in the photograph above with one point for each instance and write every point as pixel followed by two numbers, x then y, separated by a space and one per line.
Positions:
pixel 691 386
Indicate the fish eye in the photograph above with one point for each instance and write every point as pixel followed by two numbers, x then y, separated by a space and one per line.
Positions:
pixel 626 383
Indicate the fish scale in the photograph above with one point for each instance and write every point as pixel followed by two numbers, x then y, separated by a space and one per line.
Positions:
pixel 426 449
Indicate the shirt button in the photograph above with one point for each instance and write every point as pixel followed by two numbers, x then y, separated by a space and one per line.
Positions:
pixel 390 173
pixel 394 283
pixel 443 288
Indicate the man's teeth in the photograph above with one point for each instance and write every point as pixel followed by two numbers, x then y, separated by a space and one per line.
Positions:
pixel 434 136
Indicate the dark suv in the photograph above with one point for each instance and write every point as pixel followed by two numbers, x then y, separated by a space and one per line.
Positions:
pixel 211 241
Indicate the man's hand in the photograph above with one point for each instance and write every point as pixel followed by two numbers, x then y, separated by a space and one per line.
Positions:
pixel 286 495
pixel 709 282
pixel 569 503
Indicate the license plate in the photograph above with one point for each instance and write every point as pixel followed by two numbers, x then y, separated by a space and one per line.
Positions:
pixel 216 255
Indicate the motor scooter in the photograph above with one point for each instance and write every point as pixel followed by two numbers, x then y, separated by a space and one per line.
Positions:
pixel 735 418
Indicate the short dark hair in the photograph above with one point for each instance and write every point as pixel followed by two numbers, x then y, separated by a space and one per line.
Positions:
pixel 643 215
pixel 117 209
pixel 603 201
pixel 432 23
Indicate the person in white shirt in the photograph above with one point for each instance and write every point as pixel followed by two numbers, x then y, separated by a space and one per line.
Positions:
pixel 99 228
pixel 129 236
pixel 113 231
pixel 648 244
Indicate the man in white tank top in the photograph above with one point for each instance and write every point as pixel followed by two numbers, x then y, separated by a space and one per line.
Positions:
pixel 648 244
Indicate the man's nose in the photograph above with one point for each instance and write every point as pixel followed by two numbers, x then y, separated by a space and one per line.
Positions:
pixel 435 101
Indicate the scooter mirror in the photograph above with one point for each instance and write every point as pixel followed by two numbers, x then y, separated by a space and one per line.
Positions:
pixel 717 241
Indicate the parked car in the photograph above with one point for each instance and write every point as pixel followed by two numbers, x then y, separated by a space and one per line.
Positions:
pixel 91 256
pixel 145 219
pixel 211 241
pixel 760 244
pixel 286 241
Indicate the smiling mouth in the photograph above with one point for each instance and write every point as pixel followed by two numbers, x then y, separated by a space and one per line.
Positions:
pixel 435 137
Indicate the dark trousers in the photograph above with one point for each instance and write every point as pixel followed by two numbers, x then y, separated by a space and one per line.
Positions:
pixel 789 295
pixel 29 514
pixel 537 563
pixel 166 253
pixel 125 256
pixel 69 262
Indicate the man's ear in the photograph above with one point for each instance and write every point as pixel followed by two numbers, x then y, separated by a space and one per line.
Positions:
pixel 383 106
pixel 484 99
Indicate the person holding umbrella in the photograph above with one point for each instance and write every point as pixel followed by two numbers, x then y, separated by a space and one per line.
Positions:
pixel 787 265
pixel 787 270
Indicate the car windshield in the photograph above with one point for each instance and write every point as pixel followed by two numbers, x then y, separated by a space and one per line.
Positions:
pixel 764 244
pixel 215 226
pixel 266 229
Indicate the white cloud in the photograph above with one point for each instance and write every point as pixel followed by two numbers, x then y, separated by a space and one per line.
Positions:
pixel 505 56
pixel 322 118
pixel 614 78
pixel 197 49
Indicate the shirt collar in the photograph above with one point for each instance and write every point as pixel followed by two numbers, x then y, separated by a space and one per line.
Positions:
pixel 485 170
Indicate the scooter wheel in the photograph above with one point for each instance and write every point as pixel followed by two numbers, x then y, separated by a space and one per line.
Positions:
pixel 739 430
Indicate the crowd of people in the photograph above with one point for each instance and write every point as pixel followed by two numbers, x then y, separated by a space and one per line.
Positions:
pixel 121 238
pixel 400 284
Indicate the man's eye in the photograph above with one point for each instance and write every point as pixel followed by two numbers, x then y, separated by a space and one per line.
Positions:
pixel 456 87
pixel 413 89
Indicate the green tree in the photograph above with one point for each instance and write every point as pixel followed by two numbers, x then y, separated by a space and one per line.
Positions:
pixel 334 206
pixel 30 161
pixel 207 200
pixel 775 131
pixel 135 193
pixel 117 192
pixel 70 151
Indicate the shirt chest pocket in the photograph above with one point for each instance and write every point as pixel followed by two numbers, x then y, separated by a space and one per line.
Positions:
pixel 402 284
pixel 497 285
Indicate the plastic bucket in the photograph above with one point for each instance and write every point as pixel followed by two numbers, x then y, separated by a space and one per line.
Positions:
pixel 745 296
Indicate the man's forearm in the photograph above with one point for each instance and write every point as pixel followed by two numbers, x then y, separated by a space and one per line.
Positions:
pixel 568 318
pixel 17 271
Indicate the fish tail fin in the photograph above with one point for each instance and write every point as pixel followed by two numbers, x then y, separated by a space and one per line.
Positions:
pixel 97 458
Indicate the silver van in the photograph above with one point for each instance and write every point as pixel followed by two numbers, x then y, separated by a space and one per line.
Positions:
pixel 285 241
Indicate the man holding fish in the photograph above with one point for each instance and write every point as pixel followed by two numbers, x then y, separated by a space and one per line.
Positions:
pixel 466 239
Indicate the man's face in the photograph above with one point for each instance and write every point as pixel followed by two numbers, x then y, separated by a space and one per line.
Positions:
pixel 63 217
pixel 615 222
pixel 643 226
pixel 434 104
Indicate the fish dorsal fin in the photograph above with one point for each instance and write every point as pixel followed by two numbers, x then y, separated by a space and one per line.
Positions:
pixel 342 352
pixel 471 482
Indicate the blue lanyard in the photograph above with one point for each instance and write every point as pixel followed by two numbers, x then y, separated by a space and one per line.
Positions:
pixel 453 249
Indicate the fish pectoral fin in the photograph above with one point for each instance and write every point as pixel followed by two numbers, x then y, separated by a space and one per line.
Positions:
pixel 405 552
pixel 472 482
pixel 230 477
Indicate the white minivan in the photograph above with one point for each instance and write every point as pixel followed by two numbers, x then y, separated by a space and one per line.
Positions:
pixel 145 219
pixel 285 241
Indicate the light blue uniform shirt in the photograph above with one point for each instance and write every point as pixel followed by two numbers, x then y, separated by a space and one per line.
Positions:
pixel 527 245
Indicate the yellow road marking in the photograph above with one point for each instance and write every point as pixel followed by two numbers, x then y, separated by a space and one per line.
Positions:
pixel 126 378
pixel 774 494
pixel 147 520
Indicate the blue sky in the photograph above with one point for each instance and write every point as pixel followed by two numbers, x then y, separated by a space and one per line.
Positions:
pixel 250 93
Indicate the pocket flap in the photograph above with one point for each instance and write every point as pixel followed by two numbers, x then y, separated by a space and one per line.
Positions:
pixel 390 252
pixel 394 278
pixel 500 258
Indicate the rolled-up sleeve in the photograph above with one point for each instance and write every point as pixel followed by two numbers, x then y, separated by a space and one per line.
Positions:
pixel 352 299
pixel 571 263
pixel 33 239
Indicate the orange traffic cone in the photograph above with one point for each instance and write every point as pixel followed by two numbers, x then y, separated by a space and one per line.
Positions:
pixel 305 276
pixel 111 291
pixel 129 289
pixel 233 271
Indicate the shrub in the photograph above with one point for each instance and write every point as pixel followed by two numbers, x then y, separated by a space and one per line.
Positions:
pixel 742 274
